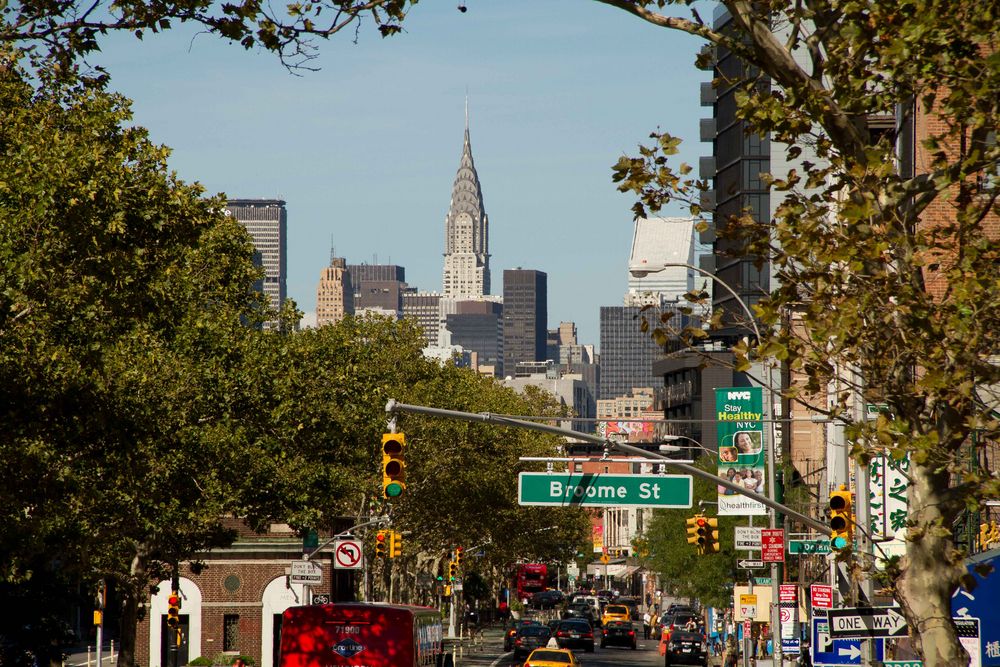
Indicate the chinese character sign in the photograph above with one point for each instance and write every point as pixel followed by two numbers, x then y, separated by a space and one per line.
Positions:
pixel 888 500
pixel 740 416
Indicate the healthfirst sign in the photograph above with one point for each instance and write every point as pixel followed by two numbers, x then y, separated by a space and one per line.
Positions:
pixel 739 415
pixel 599 490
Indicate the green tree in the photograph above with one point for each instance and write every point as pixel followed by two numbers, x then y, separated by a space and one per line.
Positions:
pixel 887 283
pixel 124 302
pixel 686 573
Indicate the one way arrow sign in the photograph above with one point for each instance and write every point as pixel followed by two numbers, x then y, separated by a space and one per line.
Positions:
pixel 867 622
pixel 750 564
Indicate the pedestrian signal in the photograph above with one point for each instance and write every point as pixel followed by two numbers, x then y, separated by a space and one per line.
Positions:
pixel 393 465
pixel 841 518
pixel 174 610
pixel 382 544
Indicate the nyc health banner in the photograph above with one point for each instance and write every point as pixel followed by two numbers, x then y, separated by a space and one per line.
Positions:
pixel 740 425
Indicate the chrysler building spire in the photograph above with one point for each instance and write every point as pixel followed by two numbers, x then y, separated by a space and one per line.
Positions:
pixel 466 231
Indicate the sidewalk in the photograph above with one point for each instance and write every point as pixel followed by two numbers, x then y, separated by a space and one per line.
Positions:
pixel 484 649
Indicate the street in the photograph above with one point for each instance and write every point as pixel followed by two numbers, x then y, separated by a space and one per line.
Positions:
pixel 492 656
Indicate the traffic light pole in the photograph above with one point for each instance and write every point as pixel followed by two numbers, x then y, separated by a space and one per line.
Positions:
pixel 392 406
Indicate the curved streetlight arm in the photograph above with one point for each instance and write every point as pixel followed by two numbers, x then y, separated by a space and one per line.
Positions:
pixel 640 271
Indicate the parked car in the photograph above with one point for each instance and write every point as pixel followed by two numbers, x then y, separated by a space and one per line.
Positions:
pixel 685 648
pixel 511 632
pixel 529 638
pixel 575 633
pixel 547 599
pixel 551 657
pixel 618 633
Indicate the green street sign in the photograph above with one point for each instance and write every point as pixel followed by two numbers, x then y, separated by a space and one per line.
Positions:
pixel 808 546
pixel 600 490
pixel 903 663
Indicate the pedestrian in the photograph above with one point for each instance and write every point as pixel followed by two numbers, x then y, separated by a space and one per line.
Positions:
pixel 645 625
pixel 731 654
pixel 239 662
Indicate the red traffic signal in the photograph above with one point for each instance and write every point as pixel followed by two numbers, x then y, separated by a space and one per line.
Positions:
pixel 174 610
pixel 381 544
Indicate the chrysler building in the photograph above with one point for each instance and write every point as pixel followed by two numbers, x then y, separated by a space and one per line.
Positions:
pixel 466 232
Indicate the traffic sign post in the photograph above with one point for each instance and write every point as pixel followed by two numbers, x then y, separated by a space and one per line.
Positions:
pixel 864 622
pixel 746 538
pixel 348 555
pixel 809 546
pixel 772 545
pixel 826 650
pixel 597 490
pixel 306 572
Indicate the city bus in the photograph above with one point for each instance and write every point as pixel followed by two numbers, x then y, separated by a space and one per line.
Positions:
pixel 361 634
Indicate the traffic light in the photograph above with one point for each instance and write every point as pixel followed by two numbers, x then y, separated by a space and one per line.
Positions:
pixel 100 598
pixel 174 610
pixel 393 465
pixel 395 544
pixel 988 534
pixel 452 570
pixel 382 544
pixel 692 530
pixel 841 518
pixel 459 551
pixel 708 534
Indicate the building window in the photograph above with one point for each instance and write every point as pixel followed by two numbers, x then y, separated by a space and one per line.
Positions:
pixel 230 632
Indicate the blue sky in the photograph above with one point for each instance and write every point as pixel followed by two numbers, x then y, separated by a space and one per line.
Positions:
pixel 365 150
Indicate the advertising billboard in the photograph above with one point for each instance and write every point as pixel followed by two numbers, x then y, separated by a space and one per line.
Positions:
pixel 740 425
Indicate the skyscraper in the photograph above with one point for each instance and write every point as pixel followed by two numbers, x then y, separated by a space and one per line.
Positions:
pixel 266 220
pixel 335 294
pixel 378 288
pixel 466 232
pixel 525 317
pixel 627 352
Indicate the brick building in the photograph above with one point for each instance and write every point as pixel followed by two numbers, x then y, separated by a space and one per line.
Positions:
pixel 232 600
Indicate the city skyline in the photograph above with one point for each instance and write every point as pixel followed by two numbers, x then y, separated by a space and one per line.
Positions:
pixel 364 151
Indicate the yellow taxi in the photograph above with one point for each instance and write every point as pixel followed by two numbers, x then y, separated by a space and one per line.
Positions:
pixel 551 657
pixel 615 612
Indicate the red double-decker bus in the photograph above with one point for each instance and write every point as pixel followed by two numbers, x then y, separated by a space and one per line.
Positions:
pixel 530 578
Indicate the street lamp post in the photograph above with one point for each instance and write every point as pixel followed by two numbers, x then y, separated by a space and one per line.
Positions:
pixel 640 271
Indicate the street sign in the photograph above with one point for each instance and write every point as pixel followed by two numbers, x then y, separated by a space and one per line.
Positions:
pixel 968 636
pixel 772 545
pixel 867 622
pixel 347 555
pixel 747 538
pixel 808 546
pixel 750 564
pixel 599 490
pixel 903 663
pixel 821 596
pixel 321 599
pixel 306 572
pixel 791 646
pixel 826 650
pixel 748 605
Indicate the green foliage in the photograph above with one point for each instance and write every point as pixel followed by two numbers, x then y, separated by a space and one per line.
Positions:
pixel 708 578
pixel 201 661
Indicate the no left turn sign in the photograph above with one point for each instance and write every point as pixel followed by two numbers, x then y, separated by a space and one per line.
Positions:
pixel 348 555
